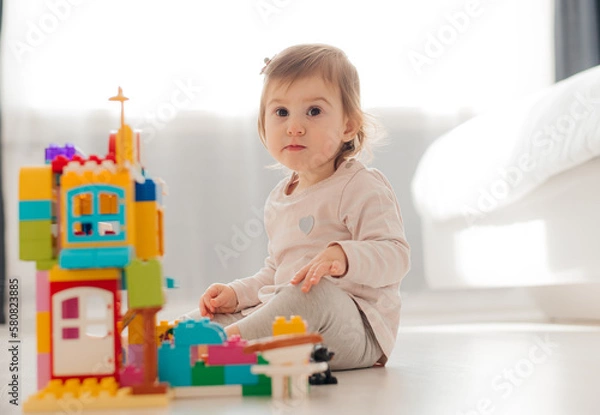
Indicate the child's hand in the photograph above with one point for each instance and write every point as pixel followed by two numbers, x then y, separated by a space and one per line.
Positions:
pixel 218 298
pixel 332 261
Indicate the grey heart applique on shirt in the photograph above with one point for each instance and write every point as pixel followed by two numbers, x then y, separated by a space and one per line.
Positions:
pixel 306 224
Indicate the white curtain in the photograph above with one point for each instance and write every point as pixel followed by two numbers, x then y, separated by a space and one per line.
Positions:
pixel 191 71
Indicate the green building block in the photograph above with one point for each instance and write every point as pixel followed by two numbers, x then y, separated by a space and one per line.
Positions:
pixel 144 283
pixel 35 229
pixel 262 388
pixel 45 264
pixel 203 375
pixel 36 249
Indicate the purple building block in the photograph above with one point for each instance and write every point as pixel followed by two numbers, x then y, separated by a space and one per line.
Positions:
pixel 54 150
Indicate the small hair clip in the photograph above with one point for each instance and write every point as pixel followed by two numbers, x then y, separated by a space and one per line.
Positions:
pixel 267 62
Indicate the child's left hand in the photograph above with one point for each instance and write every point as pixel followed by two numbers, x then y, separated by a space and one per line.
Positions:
pixel 332 261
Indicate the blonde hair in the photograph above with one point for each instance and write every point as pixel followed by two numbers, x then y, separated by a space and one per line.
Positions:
pixel 333 66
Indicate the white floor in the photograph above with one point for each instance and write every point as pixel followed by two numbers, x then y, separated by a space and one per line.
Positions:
pixel 477 368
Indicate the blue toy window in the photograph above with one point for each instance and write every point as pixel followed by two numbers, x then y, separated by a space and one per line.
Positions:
pixel 96 213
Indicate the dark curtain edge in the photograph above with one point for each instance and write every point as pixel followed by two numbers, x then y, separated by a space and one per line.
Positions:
pixel 3 279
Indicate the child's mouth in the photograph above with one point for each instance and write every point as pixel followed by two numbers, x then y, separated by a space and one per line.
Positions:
pixel 294 148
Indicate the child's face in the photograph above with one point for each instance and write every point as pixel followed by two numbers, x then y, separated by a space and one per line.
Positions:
pixel 305 125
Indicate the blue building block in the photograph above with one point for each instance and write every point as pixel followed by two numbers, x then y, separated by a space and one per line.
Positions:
pixel 35 210
pixel 171 283
pixel 109 257
pixel 145 192
pixel 174 365
pixel 198 332
pixel 240 375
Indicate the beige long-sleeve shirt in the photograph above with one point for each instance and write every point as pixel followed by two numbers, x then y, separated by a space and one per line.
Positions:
pixel 356 208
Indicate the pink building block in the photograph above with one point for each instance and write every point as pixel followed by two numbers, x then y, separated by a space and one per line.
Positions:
pixel 135 355
pixel 42 291
pixel 130 376
pixel 231 352
pixel 43 370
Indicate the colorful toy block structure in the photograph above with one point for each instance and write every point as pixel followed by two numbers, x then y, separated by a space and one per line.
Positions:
pixel 94 227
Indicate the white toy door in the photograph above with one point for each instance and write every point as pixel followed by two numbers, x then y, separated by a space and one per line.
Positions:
pixel 83 341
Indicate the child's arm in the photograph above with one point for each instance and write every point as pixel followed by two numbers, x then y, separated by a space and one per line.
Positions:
pixel 247 288
pixel 378 253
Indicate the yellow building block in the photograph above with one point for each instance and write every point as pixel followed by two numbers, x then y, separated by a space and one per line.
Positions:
pixel 135 330
pixel 161 232
pixel 60 274
pixel 35 183
pixel 59 397
pixel 42 328
pixel 162 328
pixel 294 326
pixel 147 230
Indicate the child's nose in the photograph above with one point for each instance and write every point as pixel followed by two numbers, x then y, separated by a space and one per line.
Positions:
pixel 295 128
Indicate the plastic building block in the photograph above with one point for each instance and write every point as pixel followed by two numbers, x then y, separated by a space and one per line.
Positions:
pixel 144 284
pixel 203 375
pixel 57 274
pixel 197 332
pixel 43 370
pixel 130 375
pixel 35 240
pixel 43 334
pixel 232 352
pixel 54 150
pixel 239 375
pixel 162 329
pixel 147 237
pixel 296 325
pixel 59 397
pixel 42 291
pixel 171 283
pixel 174 365
pixel 35 210
pixel 35 230
pixel 135 330
pixel 145 192
pixel 109 257
pixel 135 354
pixel 35 183
pixel 36 249
pixel 45 265
pixel 261 388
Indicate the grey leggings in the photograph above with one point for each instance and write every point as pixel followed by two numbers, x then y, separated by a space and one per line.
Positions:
pixel 328 310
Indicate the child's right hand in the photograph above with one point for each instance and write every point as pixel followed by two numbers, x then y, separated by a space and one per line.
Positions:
pixel 218 298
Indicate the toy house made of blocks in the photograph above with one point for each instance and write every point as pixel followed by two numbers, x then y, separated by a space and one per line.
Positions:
pixel 94 227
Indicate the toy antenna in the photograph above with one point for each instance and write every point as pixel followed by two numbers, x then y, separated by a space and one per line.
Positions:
pixel 122 98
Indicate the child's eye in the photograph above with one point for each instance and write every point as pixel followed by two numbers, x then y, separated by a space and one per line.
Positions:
pixel 281 112
pixel 314 111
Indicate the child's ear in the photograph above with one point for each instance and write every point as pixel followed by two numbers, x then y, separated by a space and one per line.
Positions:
pixel 352 126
